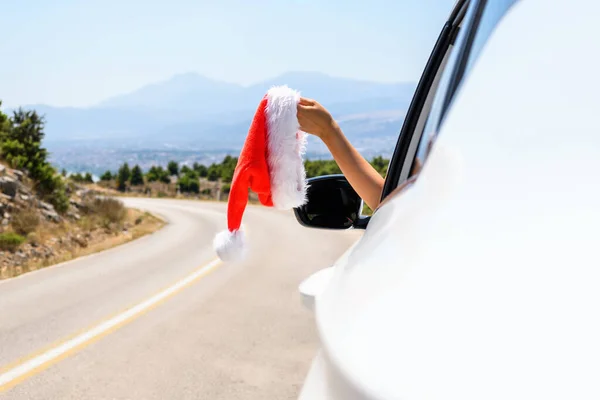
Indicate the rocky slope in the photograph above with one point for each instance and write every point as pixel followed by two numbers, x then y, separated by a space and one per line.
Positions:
pixel 34 235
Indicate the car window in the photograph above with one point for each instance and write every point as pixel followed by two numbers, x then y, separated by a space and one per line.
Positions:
pixel 434 78
pixel 492 13
pixel 441 58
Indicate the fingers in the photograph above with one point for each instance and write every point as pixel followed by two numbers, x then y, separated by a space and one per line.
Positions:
pixel 306 101
pixel 304 108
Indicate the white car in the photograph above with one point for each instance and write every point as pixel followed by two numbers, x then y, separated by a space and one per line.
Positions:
pixel 478 277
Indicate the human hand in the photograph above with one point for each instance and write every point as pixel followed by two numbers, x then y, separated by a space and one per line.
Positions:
pixel 315 119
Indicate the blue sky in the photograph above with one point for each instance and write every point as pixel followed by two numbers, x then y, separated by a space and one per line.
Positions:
pixel 77 53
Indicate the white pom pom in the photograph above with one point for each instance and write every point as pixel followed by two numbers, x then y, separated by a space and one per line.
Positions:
pixel 230 245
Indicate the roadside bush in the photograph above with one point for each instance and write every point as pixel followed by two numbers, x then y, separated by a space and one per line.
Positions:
pixel 25 221
pixel 10 241
pixel 108 212
pixel 112 210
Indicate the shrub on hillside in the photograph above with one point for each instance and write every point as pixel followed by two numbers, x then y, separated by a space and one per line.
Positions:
pixel 25 221
pixel 50 186
pixel 109 211
pixel 10 241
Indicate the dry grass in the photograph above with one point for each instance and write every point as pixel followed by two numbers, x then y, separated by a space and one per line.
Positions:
pixel 143 223
pixel 108 212
pixel 25 221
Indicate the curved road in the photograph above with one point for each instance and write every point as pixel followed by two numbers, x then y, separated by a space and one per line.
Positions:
pixel 158 318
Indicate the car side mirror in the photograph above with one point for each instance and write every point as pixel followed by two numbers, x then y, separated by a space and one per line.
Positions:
pixel 332 204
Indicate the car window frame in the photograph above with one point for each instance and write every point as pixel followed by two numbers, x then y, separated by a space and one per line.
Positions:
pixel 474 33
pixel 414 114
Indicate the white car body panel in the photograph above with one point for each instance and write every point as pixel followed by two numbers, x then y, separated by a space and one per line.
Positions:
pixel 482 280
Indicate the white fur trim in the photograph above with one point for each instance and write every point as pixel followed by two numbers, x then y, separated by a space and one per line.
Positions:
pixel 286 144
pixel 230 245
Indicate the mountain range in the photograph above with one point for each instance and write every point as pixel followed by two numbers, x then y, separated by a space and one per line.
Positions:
pixel 192 109
pixel 191 118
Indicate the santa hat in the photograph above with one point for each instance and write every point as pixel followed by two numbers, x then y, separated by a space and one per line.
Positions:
pixel 270 164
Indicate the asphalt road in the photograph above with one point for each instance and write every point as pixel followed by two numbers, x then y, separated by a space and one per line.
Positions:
pixel 159 319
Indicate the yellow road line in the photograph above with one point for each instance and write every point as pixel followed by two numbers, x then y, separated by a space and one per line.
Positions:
pixel 36 363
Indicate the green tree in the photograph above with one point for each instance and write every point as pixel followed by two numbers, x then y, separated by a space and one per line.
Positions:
pixel 165 177
pixel 123 177
pixel 227 168
pixel 380 164
pixel 107 176
pixel 137 177
pixel 184 169
pixel 158 174
pixel 200 169
pixel 173 168
pixel 213 172
pixel 152 175
pixel 4 127
pixel 88 178
pixel 189 182
pixel 63 172
pixel 21 146
pixel 50 186
pixel 76 177
pixel 321 167
pixel 126 171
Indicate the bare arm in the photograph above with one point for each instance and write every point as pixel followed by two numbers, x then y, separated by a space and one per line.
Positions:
pixel 367 182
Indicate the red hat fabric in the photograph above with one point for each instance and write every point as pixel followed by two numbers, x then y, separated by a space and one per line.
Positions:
pixel 270 164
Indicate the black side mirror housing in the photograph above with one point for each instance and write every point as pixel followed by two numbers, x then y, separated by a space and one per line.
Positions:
pixel 332 204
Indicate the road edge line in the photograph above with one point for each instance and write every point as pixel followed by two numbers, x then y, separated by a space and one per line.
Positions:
pixel 32 365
